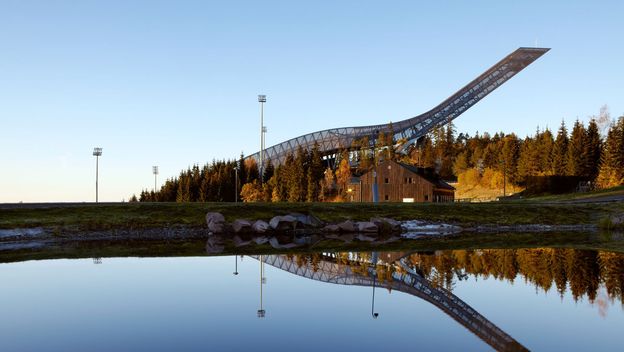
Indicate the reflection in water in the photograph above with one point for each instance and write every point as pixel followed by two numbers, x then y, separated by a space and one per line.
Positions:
pixel 362 269
pixel 431 276
pixel 261 311
pixel 581 271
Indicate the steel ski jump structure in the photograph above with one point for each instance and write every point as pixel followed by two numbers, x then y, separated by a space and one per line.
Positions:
pixel 332 141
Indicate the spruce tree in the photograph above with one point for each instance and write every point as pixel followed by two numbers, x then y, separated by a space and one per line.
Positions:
pixel 268 171
pixel 559 151
pixel 611 171
pixel 509 156
pixel 591 151
pixel 575 156
pixel 544 151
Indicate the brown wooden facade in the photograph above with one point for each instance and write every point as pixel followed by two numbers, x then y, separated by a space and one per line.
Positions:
pixel 398 182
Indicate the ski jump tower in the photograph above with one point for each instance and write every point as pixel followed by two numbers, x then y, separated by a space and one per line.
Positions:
pixel 332 141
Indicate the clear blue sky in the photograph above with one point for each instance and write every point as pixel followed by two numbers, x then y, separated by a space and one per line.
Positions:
pixel 173 83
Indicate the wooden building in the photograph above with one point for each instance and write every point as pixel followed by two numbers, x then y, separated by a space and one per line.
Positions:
pixel 398 182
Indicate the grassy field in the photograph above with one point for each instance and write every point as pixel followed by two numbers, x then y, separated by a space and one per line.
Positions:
pixel 593 195
pixel 154 215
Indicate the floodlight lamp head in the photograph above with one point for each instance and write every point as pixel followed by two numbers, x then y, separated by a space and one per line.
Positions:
pixel 155 170
pixel 97 151
pixel 262 98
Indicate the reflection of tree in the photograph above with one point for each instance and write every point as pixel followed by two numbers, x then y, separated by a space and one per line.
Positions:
pixel 583 271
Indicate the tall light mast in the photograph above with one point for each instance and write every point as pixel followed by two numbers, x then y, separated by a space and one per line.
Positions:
pixel 261 100
pixel 97 153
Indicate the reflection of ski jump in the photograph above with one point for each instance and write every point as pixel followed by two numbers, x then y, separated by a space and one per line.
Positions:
pixel 331 141
pixel 330 270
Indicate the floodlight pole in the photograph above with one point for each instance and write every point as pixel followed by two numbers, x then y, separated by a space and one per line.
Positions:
pixel 155 172
pixel 261 100
pixel 236 184
pixel 97 152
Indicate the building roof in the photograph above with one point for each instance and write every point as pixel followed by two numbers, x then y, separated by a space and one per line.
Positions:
pixel 428 174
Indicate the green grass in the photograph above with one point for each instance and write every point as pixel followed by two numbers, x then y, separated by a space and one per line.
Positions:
pixel 92 217
pixel 615 191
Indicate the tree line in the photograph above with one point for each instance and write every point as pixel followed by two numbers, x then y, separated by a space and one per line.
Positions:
pixel 306 177
pixel 582 272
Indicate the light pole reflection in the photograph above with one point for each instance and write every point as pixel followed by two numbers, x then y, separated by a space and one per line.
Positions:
pixel 374 273
pixel 235 265
pixel 261 311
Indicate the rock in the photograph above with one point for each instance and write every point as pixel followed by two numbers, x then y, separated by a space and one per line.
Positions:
pixel 240 225
pixel 347 226
pixel 366 226
pixel 261 239
pixel 239 242
pixel 307 220
pixel 275 244
pixel 617 220
pixel 282 223
pixel 386 224
pixel 215 222
pixel 346 238
pixel 333 228
pixel 303 240
pixel 260 226
pixel 363 237
pixel 214 245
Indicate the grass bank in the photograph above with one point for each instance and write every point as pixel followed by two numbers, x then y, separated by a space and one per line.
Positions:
pixel 91 217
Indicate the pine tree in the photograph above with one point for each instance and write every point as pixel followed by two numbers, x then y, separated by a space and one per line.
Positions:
pixel 560 150
pixel 427 159
pixel 592 150
pixel 544 151
pixel 268 171
pixel 611 172
pixel 509 156
pixel 575 156
pixel 315 175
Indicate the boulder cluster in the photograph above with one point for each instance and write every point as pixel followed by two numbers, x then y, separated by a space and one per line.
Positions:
pixel 295 221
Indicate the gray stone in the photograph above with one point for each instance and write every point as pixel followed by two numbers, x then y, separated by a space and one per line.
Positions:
pixel 261 240
pixel 240 225
pixel 307 220
pixel 215 222
pixel 275 244
pixel 281 223
pixel 331 228
pixel 214 245
pixel 347 238
pixel 260 226
pixel 387 224
pixel 363 237
pixel 239 242
pixel 347 226
pixel 365 226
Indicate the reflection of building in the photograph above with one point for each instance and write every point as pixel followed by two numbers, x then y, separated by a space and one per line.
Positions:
pixel 332 141
pixel 399 182
pixel 332 269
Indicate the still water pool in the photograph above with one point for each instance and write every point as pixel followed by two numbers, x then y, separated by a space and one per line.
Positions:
pixel 461 300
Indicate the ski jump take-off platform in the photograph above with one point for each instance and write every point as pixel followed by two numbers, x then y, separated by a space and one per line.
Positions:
pixel 331 142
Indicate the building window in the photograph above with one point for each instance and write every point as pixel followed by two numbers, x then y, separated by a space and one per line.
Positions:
pixel 386 197
pixel 410 180
pixel 386 180
pixel 426 197
pixel 405 180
